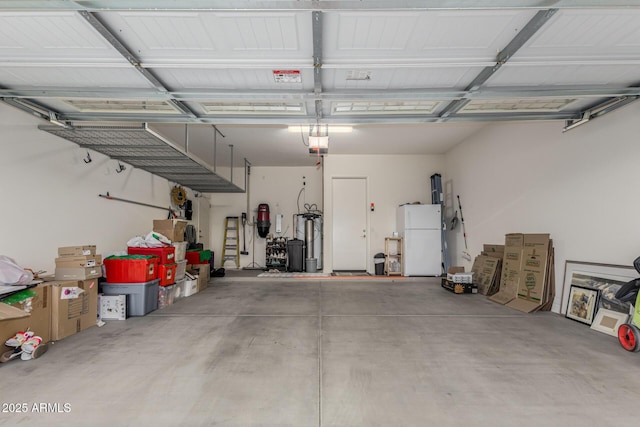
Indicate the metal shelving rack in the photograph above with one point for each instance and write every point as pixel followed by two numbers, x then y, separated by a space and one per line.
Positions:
pixel 276 256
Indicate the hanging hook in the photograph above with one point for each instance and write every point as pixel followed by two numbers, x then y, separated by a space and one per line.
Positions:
pixel 88 158
pixel 121 167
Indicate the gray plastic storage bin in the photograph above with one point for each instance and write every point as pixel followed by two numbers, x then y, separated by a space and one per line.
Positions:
pixel 142 298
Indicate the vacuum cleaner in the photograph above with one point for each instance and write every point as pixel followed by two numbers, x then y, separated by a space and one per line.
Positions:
pixel 263 220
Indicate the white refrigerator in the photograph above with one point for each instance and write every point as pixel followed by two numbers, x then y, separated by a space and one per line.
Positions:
pixel 420 229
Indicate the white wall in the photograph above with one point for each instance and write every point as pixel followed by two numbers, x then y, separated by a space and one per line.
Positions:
pixel 580 186
pixel 391 181
pixel 50 196
pixel 279 188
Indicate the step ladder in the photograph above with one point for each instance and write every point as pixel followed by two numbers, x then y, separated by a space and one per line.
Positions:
pixel 437 198
pixel 230 251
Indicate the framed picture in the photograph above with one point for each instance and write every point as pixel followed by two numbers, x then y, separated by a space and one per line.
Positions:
pixel 582 304
pixel 608 321
pixel 607 278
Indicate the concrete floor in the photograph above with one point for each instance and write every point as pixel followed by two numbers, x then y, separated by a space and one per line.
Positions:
pixel 327 352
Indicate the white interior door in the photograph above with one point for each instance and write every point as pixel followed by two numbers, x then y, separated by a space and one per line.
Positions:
pixel 349 197
pixel 204 208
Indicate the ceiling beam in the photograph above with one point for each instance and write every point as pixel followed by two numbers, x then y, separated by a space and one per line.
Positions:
pixel 28 106
pixel 538 20
pixel 93 20
pixel 311 119
pixel 304 5
pixel 316 22
pixel 347 94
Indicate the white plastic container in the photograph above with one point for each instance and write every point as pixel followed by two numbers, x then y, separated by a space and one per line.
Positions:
pixel 460 277
pixel 181 250
pixel 181 269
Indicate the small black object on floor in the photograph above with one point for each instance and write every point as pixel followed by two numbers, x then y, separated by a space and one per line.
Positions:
pixel 217 272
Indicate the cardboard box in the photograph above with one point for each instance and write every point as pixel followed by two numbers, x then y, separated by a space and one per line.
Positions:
pixel 112 307
pixel 80 261
pixel 551 283
pixel 486 273
pixel 204 273
pixel 79 273
pixel 459 288
pixel 74 307
pixel 33 313
pixel 496 251
pixel 77 250
pixel 531 292
pixel 511 268
pixel 173 229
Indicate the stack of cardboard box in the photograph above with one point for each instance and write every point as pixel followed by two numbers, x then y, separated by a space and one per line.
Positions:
pixel 74 296
pixel 527 283
pixel 487 268
pixel 78 263
pixel 62 305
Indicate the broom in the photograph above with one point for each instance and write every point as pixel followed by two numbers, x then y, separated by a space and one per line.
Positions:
pixel 465 253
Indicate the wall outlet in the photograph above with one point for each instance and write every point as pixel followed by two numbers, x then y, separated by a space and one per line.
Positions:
pixel 279 223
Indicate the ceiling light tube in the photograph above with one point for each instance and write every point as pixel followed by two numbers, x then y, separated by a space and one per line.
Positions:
pixel 333 129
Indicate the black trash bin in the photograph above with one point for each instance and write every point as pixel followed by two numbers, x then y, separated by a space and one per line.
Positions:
pixel 295 254
pixel 378 262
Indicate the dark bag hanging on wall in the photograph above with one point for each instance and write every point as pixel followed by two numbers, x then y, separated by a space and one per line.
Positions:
pixel 188 210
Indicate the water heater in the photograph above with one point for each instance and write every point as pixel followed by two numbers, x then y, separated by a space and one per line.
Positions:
pixel 309 229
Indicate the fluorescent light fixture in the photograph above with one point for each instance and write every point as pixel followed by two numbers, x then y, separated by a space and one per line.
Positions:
pixel 121 106
pixel 543 105
pixel 257 108
pixel 383 107
pixel 332 129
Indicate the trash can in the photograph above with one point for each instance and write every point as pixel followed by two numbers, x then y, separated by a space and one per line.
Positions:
pixel 378 261
pixel 311 265
pixel 295 254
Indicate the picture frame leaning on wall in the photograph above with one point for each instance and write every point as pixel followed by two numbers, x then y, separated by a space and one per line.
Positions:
pixel 607 278
pixel 582 304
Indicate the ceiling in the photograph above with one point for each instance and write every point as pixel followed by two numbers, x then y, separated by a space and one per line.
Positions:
pixel 411 77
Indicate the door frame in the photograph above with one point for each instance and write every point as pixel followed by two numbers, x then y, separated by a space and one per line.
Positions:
pixel 367 219
pixel 204 238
